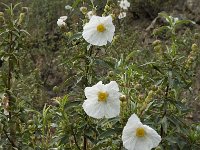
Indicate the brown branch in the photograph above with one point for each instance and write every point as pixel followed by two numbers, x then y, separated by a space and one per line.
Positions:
pixel 75 140
pixel 11 142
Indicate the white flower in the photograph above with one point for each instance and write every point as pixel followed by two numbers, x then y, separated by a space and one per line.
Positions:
pixel 90 14
pixel 136 136
pixel 176 19
pixel 172 19
pixel 68 7
pixel 122 15
pixel 102 100
pixel 124 4
pixel 61 23
pixel 99 30
pixel 64 18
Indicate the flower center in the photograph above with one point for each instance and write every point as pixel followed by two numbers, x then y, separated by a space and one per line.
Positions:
pixel 140 132
pixel 102 96
pixel 101 28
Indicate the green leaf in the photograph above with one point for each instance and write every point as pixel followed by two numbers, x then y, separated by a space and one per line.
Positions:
pixel 181 22
pixel 161 30
pixel 164 124
pixel 107 133
pixel 75 36
pixel 24 31
pixel 75 4
pixel 71 104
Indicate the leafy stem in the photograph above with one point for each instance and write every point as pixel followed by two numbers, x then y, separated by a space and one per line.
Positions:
pixel 88 54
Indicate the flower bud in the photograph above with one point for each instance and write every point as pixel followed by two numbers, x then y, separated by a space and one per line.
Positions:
pixel 83 10
pixel 115 38
pixel 56 89
pixel 196 35
pixel 1 14
pixel 1 19
pixel 138 86
pixel 159 91
pixel 111 74
pixel 158 48
pixel 151 93
pixel 24 9
pixel 154 87
pixel 141 97
pixel 68 34
pixel 106 8
pixel 194 47
pixel 113 16
pixel 30 122
pixel 156 42
pixel 21 18
pixel 123 98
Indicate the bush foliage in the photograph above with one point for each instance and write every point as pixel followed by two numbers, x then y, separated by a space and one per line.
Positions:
pixel 44 70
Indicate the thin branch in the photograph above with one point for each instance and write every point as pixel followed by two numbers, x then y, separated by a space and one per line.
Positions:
pixel 11 142
pixel 75 140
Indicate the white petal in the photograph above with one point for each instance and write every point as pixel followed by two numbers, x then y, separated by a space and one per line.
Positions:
pixel 96 38
pixel 133 122
pixel 95 20
pixel 68 7
pixel 92 36
pixel 110 28
pixel 142 144
pixel 60 23
pixel 94 109
pixel 112 85
pixel 112 109
pixel 91 92
pixel 153 136
pixel 122 15
pixel 129 142
pixel 63 18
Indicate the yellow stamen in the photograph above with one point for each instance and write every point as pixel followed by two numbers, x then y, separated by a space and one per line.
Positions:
pixel 102 96
pixel 140 132
pixel 101 28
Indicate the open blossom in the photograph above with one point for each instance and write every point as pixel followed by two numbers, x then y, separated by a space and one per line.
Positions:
pixel 61 21
pixel 99 30
pixel 173 19
pixel 102 100
pixel 136 136
pixel 124 4
pixel 122 15
pixel 68 7
pixel 64 18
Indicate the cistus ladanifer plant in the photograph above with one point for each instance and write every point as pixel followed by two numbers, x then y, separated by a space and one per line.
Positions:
pixel 113 93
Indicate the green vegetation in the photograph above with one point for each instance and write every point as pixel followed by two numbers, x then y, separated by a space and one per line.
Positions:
pixel 45 68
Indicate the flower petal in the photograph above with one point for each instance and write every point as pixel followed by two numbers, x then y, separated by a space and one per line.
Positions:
pixel 94 109
pixel 112 109
pixel 153 136
pixel 112 85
